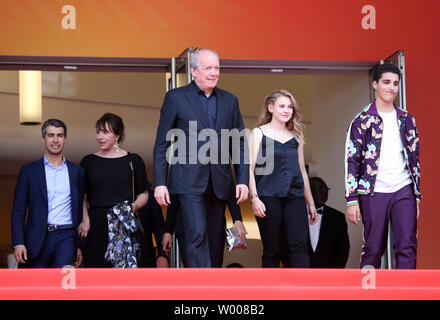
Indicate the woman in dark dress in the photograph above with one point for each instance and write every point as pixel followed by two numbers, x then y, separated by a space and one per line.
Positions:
pixel 278 182
pixel 108 182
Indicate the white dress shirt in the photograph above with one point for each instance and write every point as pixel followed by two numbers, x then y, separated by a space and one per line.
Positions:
pixel 314 230
pixel 58 193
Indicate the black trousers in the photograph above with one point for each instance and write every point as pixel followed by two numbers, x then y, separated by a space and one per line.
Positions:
pixel 203 223
pixel 286 215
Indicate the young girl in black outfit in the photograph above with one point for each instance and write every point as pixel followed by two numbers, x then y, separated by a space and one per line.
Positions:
pixel 279 185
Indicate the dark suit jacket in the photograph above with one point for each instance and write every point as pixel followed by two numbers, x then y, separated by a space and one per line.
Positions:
pixel 333 244
pixel 31 193
pixel 181 106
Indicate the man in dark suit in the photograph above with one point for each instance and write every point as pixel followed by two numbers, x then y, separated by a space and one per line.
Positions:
pixel 329 244
pixel 52 190
pixel 200 172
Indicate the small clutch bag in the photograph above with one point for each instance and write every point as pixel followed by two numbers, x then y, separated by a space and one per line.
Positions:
pixel 233 240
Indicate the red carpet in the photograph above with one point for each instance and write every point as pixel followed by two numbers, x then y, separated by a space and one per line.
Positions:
pixel 218 284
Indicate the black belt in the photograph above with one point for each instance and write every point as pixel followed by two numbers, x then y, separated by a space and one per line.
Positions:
pixel 55 227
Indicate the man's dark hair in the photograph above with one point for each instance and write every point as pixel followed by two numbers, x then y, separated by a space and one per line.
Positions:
pixel 384 68
pixel 54 123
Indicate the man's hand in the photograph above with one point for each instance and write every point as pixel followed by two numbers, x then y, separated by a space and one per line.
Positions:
pixel 20 253
pixel 162 196
pixel 78 259
pixel 241 193
pixel 162 262
pixel 241 230
pixel 167 241
pixel 83 229
pixel 353 213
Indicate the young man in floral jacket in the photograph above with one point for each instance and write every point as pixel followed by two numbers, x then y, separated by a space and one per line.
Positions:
pixel 382 173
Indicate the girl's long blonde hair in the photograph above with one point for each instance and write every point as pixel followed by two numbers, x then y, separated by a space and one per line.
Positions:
pixel 294 124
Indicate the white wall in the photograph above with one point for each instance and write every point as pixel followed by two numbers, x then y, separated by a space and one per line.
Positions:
pixel 334 102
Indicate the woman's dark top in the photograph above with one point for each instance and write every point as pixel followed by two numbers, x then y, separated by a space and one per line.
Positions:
pixel 286 179
pixel 108 180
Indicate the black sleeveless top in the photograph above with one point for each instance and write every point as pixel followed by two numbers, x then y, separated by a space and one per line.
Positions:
pixel 285 179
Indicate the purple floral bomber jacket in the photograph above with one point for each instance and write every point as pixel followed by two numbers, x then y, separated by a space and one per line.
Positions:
pixel 362 151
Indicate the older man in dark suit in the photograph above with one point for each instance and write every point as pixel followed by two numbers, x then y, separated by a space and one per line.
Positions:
pixel 52 189
pixel 201 177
